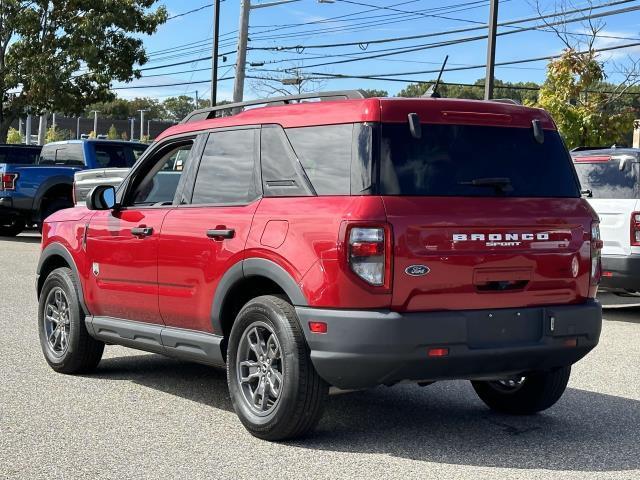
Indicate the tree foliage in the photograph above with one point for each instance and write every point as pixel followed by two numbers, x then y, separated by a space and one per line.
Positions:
pixel 584 113
pixel 112 134
pixel 60 55
pixel 13 136
pixel 179 107
pixel 372 92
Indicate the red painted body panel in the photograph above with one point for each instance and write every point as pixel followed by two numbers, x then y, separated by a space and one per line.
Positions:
pixel 127 283
pixel 190 264
pixel 310 252
pixel 461 272
pixel 374 110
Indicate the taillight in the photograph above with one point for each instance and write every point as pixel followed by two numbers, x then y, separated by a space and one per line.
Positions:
pixel 369 254
pixel 596 248
pixel 635 229
pixel 9 181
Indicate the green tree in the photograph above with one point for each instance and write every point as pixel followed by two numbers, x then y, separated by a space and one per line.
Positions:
pixel 60 55
pixel 584 112
pixel 13 136
pixel 112 134
pixel 372 92
pixel 53 135
pixel 179 107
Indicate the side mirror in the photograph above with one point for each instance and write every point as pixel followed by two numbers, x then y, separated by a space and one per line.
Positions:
pixel 102 197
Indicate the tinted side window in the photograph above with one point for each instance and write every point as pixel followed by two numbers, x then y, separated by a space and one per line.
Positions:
pixel 158 186
pixel 227 170
pixel 70 154
pixel 325 154
pixel 111 156
pixel 18 155
pixel 282 175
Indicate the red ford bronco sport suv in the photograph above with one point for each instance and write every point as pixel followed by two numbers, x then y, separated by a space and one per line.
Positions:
pixel 347 242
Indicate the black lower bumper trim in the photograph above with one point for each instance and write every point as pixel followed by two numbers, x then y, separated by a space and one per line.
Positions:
pixel 620 273
pixel 362 349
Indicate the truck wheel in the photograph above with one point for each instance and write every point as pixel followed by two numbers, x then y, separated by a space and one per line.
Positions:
pixel 65 342
pixel 525 395
pixel 11 228
pixel 274 387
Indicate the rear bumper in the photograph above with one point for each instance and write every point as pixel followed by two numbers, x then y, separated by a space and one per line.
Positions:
pixel 625 272
pixel 7 209
pixel 366 348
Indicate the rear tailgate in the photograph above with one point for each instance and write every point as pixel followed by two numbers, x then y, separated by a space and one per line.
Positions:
pixel 488 252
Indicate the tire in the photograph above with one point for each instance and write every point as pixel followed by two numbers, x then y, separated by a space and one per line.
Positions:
pixel 534 393
pixel 72 349
pixel 12 227
pixel 52 206
pixel 295 406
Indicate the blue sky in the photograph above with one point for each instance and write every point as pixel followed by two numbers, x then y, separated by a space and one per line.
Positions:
pixel 308 22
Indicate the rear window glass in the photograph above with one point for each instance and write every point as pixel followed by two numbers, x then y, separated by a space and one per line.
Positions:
pixel 607 180
pixel 325 154
pixel 112 156
pixel 19 155
pixel 474 161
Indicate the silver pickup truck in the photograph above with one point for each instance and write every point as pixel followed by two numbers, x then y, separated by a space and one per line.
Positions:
pixel 85 180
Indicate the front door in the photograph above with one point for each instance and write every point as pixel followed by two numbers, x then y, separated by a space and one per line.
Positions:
pixel 122 244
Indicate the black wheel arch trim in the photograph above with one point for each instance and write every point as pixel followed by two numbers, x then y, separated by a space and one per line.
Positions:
pixel 248 268
pixel 57 249
pixel 47 185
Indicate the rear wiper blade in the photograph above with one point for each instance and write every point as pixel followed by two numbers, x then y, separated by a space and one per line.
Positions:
pixel 501 184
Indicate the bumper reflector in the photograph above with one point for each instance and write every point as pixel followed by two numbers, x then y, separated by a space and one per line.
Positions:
pixel 318 327
pixel 438 352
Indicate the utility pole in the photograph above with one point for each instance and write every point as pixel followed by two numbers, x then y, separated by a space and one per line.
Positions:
pixel 214 53
pixel 197 102
pixel 78 128
pixel 95 121
pixel 491 50
pixel 241 59
pixel 243 37
pixel 132 120
pixel 149 129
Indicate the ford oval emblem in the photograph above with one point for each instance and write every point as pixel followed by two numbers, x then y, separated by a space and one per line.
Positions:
pixel 416 270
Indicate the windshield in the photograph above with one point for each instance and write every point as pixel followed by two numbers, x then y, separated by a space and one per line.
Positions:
pixel 607 180
pixel 474 161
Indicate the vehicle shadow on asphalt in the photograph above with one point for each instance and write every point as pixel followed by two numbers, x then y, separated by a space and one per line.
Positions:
pixel 442 423
pixel 622 314
pixel 22 239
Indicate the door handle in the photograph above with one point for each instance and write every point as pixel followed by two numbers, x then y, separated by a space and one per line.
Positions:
pixel 141 231
pixel 221 234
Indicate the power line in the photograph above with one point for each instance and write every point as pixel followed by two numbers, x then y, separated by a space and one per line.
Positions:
pixel 445 32
pixel 398 51
pixel 382 76
pixel 190 11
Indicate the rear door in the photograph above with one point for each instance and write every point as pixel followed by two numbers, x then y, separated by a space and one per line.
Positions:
pixel 483 216
pixel 615 188
pixel 205 236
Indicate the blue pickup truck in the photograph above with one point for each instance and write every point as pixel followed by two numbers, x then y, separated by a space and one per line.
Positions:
pixel 33 192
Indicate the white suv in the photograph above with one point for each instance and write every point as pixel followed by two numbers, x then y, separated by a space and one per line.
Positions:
pixel 611 179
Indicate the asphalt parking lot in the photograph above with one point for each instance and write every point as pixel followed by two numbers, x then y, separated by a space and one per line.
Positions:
pixel 146 416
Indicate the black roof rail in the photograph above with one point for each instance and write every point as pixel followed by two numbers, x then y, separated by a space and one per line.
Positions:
pixel 210 112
